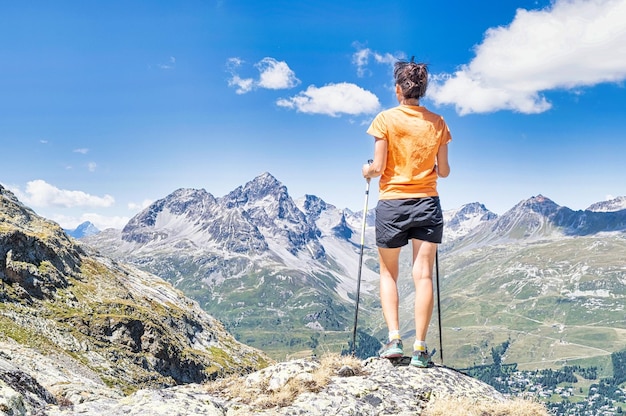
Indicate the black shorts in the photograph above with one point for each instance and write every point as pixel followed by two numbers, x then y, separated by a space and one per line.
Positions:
pixel 398 220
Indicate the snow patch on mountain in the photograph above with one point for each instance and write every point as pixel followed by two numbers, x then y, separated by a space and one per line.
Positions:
pixel 459 222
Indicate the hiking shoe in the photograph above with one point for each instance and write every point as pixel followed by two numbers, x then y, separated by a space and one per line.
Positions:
pixel 421 359
pixel 392 349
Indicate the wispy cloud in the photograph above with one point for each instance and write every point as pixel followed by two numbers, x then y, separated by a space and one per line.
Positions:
pixel 83 151
pixel 570 45
pixel 39 193
pixel 42 141
pixel 333 100
pixel 133 206
pixel 92 166
pixel 170 64
pixel 361 59
pixel 273 74
pixel 101 222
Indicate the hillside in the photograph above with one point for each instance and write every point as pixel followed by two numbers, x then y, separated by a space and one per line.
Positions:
pixel 100 324
pixel 550 280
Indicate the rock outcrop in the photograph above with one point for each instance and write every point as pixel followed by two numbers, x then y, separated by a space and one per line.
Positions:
pixel 371 387
pixel 74 323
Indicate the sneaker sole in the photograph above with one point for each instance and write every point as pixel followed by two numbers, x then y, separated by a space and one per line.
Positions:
pixel 419 365
pixel 393 354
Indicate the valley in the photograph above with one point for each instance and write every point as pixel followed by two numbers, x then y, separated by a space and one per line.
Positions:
pixel 281 274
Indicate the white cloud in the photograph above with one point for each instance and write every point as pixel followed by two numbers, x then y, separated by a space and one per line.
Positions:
pixel 101 222
pixel 92 166
pixel 362 57
pixel 572 44
pixel 39 193
pixel 136 207
pixel 333 100
pixel 234 62
pixel 83 151
pixel 243 85
pixel 273 75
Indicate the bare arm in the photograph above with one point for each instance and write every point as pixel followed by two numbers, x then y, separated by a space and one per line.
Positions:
pixel 377 167
pixel 443 167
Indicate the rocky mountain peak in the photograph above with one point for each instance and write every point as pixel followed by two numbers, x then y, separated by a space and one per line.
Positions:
pixel 84 229
pixel 538 204
pixel 530 219
pixel 191 204
pixel 250 219
pixel 539 217
pixel 267 204
pixel 461 221
pixel 612 205
pixel 264 181
pixel 256 190
pixel 313 206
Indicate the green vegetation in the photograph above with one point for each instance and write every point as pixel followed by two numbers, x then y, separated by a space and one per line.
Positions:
pixel 559 301
pixel 570 390
pixel 279 311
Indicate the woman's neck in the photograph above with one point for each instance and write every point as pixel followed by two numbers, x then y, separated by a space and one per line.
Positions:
pixel 410 101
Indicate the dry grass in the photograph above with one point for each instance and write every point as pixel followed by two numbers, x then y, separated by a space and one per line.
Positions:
pixel 469 407
pixel 259 395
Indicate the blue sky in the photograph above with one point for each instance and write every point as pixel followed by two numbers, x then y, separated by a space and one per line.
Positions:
pixel 108 106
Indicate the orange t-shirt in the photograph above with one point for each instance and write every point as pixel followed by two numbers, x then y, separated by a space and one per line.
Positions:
pixel 413 136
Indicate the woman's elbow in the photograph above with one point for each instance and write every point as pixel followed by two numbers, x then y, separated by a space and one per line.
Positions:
pixel 443 171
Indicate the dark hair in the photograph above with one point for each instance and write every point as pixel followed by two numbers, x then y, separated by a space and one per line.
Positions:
pixel 412 78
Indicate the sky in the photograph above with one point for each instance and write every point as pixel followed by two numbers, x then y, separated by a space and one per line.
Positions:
pixel 106 107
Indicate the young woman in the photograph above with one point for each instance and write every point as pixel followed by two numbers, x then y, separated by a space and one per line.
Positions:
pixel 410 154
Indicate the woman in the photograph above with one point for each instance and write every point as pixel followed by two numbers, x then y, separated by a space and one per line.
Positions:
pixel 410 154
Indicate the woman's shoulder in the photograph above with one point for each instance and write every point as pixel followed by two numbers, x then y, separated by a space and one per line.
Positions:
pixel 431 114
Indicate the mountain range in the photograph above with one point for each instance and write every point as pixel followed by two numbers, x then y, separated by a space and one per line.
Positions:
pixel 549 280
pixel 81 333
pixel 277 272
pixel 281 274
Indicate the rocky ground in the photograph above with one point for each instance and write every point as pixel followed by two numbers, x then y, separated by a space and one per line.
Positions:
pixel 300 387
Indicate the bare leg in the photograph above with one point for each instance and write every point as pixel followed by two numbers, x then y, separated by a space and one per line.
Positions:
pixel 423 261
pixel 389 258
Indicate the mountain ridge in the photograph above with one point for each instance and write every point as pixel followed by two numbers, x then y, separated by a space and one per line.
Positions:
pixel 253 257
pixel 300 277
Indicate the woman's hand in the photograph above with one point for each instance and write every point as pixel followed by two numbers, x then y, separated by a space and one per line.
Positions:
pixel 366 171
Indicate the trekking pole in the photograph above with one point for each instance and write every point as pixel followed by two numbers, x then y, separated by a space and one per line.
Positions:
pixel 358 281
pixel 439 304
